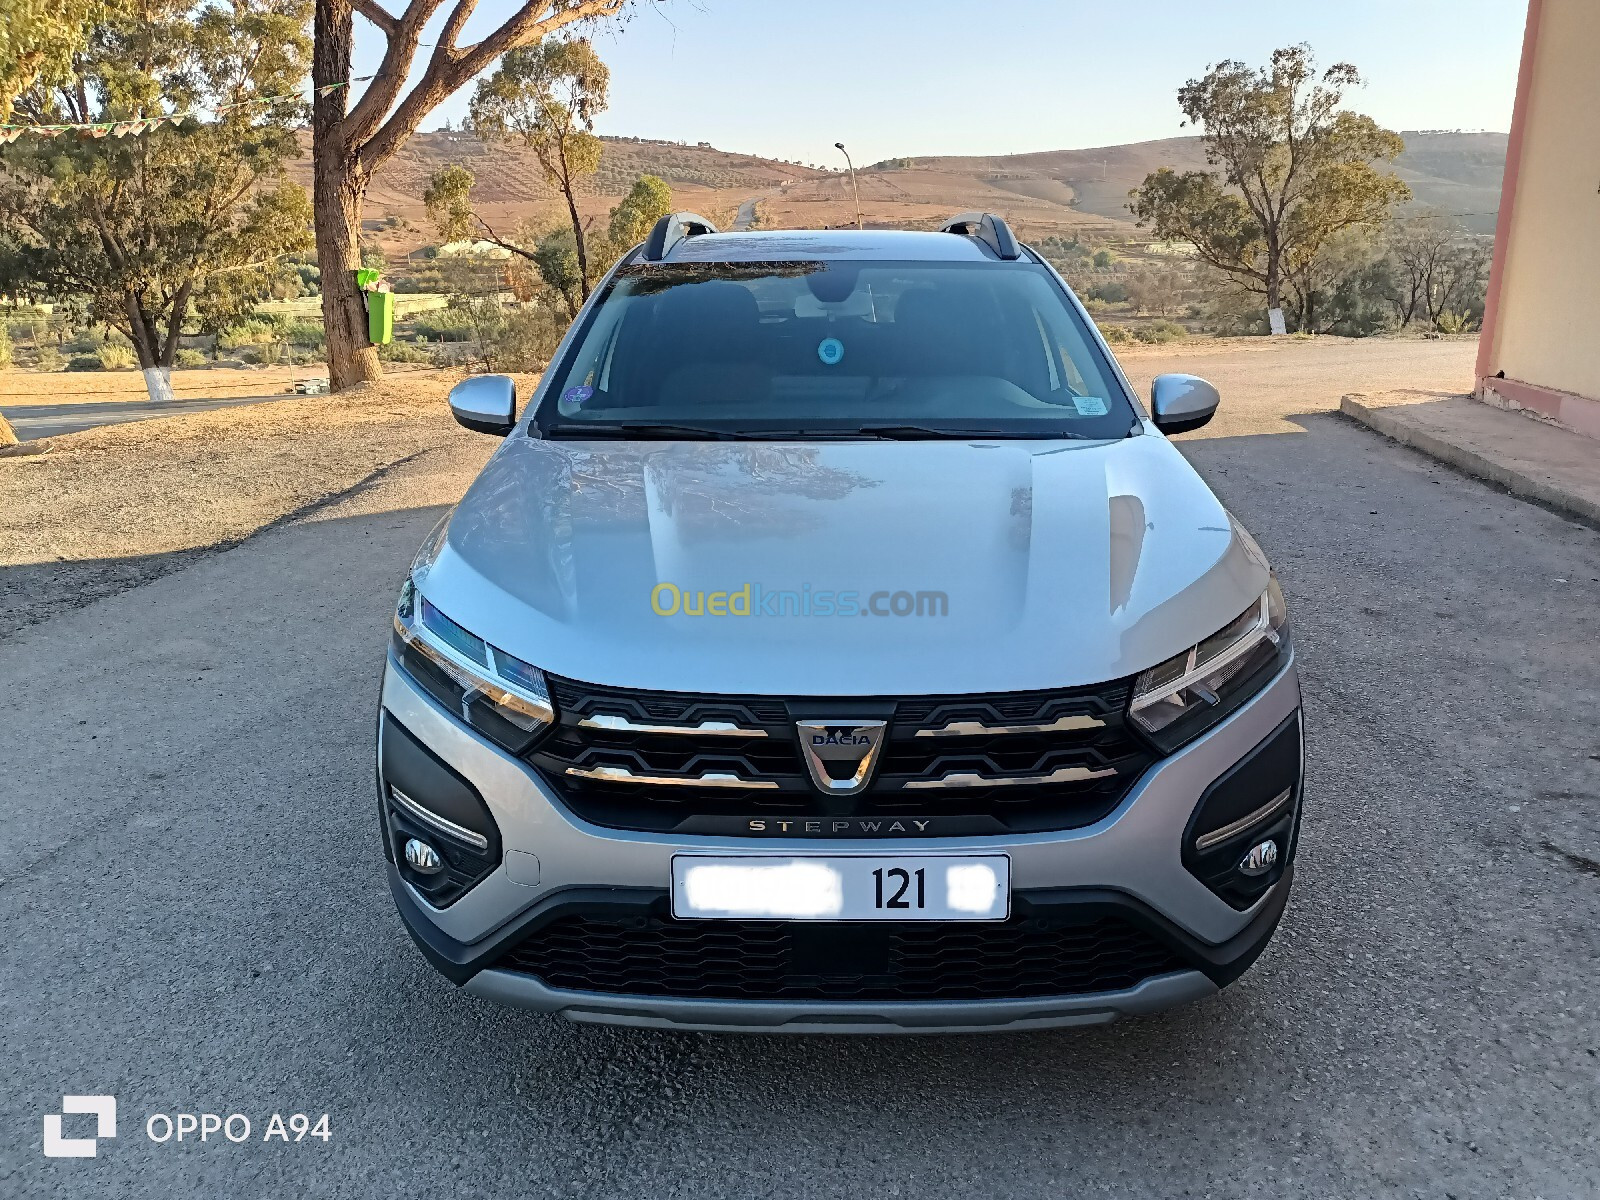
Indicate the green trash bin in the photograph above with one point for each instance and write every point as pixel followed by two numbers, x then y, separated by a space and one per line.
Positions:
pixel 380 317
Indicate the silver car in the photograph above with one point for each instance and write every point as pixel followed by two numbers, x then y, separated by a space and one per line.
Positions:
pixel 836 644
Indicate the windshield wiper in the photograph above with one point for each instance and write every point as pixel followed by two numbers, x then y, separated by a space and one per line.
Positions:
pixel 642 430
pixel 927 432
pixel 910 433
pixel 898 433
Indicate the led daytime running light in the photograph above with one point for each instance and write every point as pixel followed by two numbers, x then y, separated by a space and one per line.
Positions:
pixel 524 696
pixel 1195 671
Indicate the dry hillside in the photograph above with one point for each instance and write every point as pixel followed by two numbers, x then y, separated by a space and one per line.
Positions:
pixel 1069 192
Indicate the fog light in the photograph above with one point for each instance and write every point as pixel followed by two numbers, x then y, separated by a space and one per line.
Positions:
pixel 425 859
pixel 1261 859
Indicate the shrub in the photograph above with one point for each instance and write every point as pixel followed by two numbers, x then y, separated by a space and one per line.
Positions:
pixel 84 362
pixel 1112 292
pixel 528 338
pixel 1117 335
pixel 304 333
pixel 253 331
pixel 5 346
pixel 48 358
pixel 114 356
pixel 444 324
pixel 1159 332
pixel 403 352
pixel 189 358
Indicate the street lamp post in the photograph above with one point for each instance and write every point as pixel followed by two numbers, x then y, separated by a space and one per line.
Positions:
pixel 839 146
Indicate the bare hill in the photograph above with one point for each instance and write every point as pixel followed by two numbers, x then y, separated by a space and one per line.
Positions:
pixel 1066 192
pixel 1459 172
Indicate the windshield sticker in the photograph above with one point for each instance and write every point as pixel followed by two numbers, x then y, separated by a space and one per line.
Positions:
pixel 1090 406
pixel 576 395
pixel 831 351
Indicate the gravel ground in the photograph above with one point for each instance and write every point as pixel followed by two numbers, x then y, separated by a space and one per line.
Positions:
pixel 198 921
pixel 108 509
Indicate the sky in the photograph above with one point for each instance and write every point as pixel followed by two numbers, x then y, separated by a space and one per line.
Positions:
pixel 789 78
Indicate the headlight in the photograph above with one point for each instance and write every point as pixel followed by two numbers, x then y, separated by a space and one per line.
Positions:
pixel 499 695
pixel 1190 692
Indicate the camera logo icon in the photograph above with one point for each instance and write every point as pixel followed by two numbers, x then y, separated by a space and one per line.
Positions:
pixel 102 1108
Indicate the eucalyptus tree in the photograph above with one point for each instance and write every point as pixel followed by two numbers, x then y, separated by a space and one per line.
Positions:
pixel 1297 170
pixel 351 141
pixel 37 41
pixel 547 96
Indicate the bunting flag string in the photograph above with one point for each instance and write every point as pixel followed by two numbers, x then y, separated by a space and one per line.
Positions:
pixel 135 126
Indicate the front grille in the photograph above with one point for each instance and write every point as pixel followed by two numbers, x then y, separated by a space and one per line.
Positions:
pixel 758 773
pixel 753 960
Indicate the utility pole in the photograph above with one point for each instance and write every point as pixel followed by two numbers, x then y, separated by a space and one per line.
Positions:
pixel 839 146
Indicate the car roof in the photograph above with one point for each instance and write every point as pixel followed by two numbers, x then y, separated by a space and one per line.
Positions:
pixel 778 245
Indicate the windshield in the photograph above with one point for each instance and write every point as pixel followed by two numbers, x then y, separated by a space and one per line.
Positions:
pixel 813 349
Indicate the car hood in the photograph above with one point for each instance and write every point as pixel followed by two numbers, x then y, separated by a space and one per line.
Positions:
pixel 1061 563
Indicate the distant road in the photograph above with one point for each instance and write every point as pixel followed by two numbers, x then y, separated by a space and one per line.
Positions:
pixel 33 421
pixel 746 218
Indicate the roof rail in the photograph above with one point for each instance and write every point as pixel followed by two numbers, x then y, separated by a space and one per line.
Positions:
pixel 671 230
pixel 989 229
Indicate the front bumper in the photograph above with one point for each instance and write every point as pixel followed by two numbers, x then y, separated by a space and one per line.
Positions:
pixel 554 862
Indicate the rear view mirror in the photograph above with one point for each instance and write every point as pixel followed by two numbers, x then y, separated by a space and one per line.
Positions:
pixel 1179 403
pixel 485 404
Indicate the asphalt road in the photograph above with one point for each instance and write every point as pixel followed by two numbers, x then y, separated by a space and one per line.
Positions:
pixel 197 920
pixel 32 421
pixel 746 216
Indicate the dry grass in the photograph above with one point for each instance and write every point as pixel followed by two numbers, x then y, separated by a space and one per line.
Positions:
pixel 109 508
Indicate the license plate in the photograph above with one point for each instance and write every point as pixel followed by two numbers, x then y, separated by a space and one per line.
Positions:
pixel 917 887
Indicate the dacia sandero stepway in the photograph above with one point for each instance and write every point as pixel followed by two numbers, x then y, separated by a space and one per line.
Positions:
pixel 836 644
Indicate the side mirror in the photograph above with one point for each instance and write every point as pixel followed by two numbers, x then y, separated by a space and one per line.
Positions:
pixel 1179 403
pixel 485 404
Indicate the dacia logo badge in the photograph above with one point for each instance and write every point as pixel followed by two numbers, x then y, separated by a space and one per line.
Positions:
pixel 841 755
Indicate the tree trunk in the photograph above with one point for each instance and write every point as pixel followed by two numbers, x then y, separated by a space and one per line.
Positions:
pixel 577 234
pixel 1275 322
pixel 339 185
pixel 153 362
pixel 158 383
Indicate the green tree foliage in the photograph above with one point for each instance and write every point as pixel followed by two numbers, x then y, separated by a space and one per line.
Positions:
pixel 448 199
pixel 37 41
pixel 1296 171
pixel 146 225
pixel 548 95
pixel 647 202
pixel 556 257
